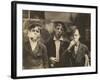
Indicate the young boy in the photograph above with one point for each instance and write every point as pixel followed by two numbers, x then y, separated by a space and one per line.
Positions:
pixel 79 52
pixel 34 52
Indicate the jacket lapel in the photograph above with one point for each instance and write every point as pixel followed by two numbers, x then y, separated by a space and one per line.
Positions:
pixel 61 47
pixel 28 47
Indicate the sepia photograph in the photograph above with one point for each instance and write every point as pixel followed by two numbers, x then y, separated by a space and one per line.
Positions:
pixel 56 39
pixel 53 39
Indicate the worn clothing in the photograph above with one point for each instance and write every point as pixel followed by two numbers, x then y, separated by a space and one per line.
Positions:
pixel 57 45
pixel 55 48
pixel 77 55
pixel 34 59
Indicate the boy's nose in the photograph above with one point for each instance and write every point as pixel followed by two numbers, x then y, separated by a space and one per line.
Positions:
pixel 59 30
pixel 35 32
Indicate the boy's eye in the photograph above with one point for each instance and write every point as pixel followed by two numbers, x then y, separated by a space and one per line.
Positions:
pixel 35 31
pixel 59 29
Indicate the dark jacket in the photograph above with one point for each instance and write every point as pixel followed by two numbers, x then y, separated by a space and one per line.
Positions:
pixel 79 58
pixel 34 59
pixel 51 50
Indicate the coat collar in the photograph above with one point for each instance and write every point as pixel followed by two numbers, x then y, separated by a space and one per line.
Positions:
pixel 61 38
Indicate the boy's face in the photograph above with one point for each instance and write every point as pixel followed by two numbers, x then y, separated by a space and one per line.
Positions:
pixel 76 36
pixel 58 30
pixel 34 33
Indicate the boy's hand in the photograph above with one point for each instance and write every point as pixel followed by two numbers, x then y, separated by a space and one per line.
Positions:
pixel 53 60
pixel 72 43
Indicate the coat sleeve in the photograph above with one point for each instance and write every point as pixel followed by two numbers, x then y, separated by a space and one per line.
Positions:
pixel 45 57
pixel 87 57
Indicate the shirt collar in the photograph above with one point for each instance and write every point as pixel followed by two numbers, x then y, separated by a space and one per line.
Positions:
pixel 61 38
pixel 77 44
pixel 31 42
